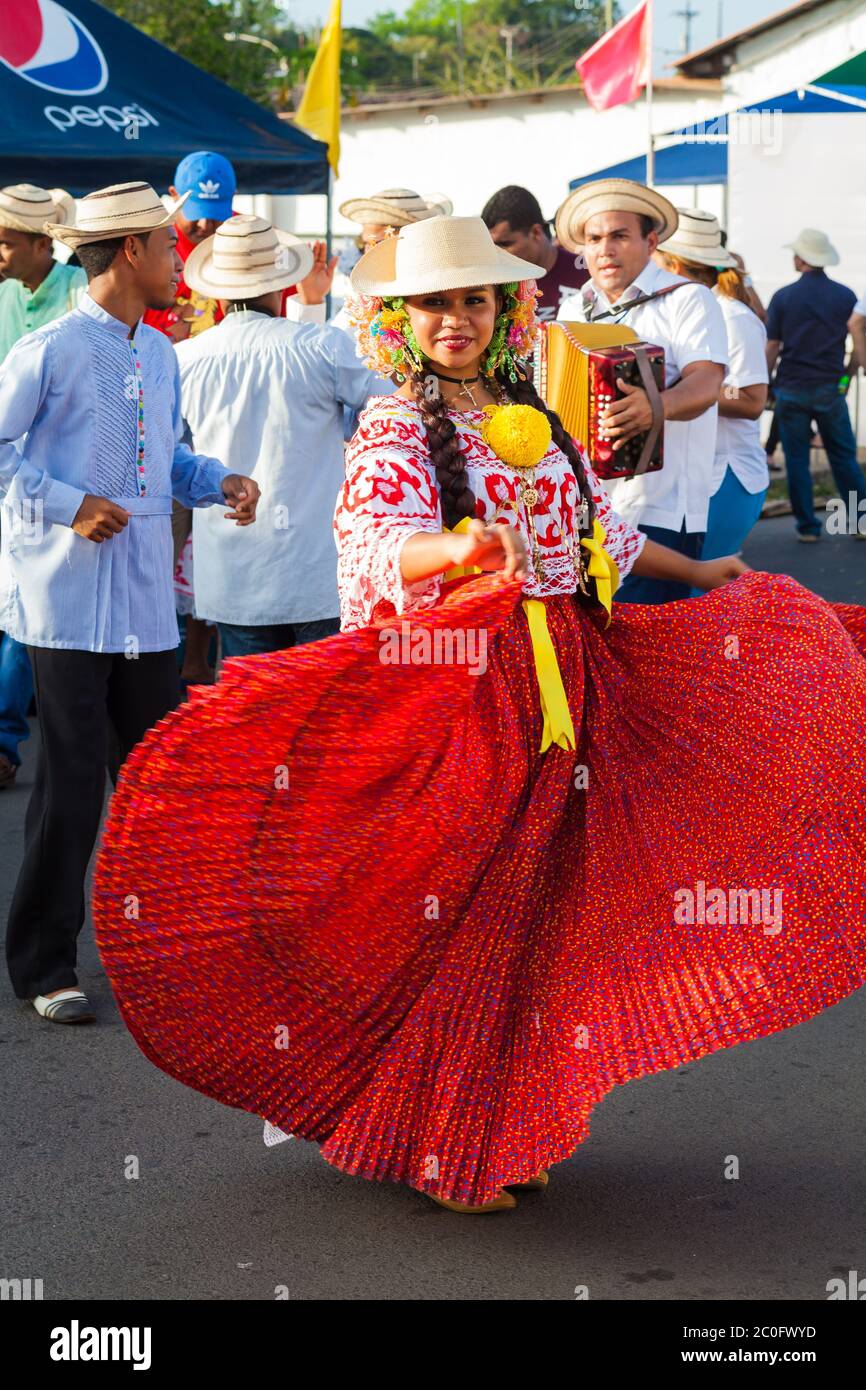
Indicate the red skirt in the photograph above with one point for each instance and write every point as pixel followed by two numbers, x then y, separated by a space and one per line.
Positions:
pixel 354 898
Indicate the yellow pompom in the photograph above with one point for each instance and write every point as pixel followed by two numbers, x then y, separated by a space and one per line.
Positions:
pixel 518 434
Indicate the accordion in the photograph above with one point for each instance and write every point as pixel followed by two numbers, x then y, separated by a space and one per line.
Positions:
pixel 576 371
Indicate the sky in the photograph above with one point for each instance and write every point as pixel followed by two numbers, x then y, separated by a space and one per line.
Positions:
pixel 668 26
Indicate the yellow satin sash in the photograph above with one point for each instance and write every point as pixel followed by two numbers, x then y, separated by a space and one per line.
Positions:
pixel 558 724
pixel 601 567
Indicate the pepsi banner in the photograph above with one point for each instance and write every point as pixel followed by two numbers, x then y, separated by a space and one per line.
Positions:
pixel 88 100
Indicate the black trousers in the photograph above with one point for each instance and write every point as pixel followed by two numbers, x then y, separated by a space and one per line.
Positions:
pixel 93 707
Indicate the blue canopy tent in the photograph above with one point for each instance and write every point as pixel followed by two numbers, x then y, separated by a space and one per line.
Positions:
pixel 88 100
pixel 686 163
pixel 699 154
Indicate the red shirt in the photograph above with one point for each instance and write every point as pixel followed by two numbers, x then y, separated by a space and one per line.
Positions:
pixel 563 278
pixel 207 311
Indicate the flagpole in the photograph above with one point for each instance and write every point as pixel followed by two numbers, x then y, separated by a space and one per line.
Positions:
pixel 650 154
pixel 329 231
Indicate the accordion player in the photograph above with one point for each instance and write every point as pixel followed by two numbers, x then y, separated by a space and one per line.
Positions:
pixel 577 365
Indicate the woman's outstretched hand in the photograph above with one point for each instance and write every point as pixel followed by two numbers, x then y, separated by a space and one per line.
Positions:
pixel 496 547
pixel 711 574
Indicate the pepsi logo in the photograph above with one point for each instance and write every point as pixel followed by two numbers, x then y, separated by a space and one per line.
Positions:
pixel 48 46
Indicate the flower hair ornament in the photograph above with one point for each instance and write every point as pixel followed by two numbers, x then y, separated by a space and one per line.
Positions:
pixel 388 345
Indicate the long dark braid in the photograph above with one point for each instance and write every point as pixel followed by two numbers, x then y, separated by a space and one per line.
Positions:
pixel 446 455
pixel 448 458
pixel 523 392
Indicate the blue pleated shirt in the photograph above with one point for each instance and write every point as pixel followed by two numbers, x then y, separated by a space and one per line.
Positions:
pixel 84 408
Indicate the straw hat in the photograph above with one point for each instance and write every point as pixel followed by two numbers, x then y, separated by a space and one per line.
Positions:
pixel 26 208
pixel 612 195
pixel 441 253
pixel 699 238
pixel 246 257
pixel 814 247
pixel 395 207
pixel 124 209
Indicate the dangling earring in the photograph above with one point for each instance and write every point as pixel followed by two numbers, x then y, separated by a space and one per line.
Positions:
pixel 413 351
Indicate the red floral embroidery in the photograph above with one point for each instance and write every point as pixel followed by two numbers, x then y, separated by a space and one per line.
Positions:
pixel 390 493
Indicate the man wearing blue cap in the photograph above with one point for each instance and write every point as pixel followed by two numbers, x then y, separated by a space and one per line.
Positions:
pixel 210 181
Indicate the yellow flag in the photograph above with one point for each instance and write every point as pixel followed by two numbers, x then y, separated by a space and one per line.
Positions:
pixel 319 111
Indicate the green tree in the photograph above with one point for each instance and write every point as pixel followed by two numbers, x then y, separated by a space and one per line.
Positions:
pixel 437 46
pixel 196 29
pixel 544 38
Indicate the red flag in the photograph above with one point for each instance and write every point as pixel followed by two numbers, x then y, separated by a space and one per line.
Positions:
pixel 615 68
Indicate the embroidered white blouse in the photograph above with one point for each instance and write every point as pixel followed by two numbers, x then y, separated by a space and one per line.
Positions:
pixel 391 492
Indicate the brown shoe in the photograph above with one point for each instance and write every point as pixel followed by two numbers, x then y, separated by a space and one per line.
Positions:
pixel 8 772
pixel 536 1184
pixel 502 1202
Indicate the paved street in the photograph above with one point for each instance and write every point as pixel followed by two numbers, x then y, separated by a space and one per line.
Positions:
pixel 641 1211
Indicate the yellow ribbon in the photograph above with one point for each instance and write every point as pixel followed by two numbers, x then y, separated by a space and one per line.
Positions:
pixel 558 724
pixel 601 567
pixel 460 571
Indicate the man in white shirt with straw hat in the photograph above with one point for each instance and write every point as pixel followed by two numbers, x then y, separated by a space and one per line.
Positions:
pixel 377 216
pixel 617 224
pixel 268 394
pixel 90 456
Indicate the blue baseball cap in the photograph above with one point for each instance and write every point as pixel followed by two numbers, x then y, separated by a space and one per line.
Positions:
pixel 211 182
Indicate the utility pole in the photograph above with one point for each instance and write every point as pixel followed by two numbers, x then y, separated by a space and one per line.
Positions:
pixel 507 33
pixel 721 19
pixel 686 15
pixel 461 66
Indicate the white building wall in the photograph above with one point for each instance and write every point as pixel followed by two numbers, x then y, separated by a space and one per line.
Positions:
pixel 468 152
pixel 794 53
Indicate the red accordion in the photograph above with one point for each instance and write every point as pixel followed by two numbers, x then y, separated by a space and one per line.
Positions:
pixel 576 374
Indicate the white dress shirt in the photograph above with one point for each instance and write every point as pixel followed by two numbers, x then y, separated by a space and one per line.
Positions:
pixel 738 442
pixel 268 395
pixel 688 324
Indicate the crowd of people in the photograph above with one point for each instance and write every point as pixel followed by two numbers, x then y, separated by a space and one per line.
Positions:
pixel 177 375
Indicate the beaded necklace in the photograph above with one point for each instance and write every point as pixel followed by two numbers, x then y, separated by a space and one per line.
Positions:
pixel 139 458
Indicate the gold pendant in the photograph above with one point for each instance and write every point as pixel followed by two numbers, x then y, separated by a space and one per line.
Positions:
pixel 528 495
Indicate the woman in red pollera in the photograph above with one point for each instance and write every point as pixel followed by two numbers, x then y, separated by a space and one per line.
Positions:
pixel 425 891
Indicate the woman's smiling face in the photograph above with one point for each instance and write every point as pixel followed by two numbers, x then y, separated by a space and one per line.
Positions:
pixel 454 327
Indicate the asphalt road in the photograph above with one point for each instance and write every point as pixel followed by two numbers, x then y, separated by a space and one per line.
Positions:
pixel 642 1210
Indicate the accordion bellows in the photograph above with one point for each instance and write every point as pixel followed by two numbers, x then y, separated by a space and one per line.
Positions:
pixel 577 369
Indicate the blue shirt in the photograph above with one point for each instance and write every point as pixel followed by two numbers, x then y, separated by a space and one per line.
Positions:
pixel 810 320
pixel 69 425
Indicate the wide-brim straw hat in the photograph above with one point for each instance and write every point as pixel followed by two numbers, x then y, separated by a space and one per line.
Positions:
pixel 441 253
pixel 247 257
pixel 698 238
pixel 612 195
pixel 123 209
pixel 395 207
pixel 26 208
pixel 814 247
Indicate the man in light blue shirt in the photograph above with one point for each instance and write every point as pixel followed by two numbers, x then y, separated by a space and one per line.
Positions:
pixel 90 456
pixel 34 289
